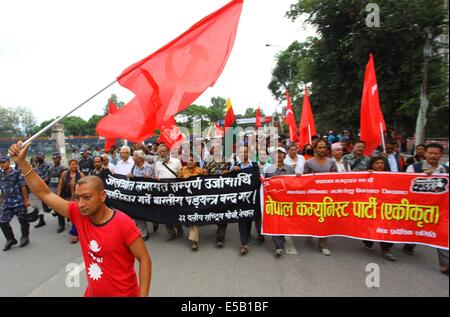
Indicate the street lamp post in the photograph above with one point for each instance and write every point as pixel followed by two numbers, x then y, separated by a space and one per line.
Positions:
pixel 290 62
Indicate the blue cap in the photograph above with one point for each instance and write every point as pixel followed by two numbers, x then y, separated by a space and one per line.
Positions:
pixel 4 158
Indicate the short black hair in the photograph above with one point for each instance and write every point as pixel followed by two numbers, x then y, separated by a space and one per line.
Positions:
pixel 320 141
pixel 374 159
pixel 359 141
pixel 434 146
pixel 101 158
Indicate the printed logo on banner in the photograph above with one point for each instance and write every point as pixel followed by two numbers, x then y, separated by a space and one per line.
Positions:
pixel 434 185
pixel 278 185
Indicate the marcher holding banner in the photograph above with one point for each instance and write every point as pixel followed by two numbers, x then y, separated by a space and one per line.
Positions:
pixel 141 169
pixel 321 164
pixel 245 226
pixel 377 164
pixel 216 165
pixel 277 169
pixel 190 170
pixel 356 161
pixel 431 166
pixel 167 167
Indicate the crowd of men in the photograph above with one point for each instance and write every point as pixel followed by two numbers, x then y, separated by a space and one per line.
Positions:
pixel 334 153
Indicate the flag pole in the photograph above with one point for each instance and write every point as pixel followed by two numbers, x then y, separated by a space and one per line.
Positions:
pixel 64 116
pixel 310 136
pixel 382 137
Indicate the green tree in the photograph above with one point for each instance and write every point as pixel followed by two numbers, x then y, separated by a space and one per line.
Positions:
pixel 115 100
pixel 16 122
pixel 9 123
pixel 91 124
pixel 217 109
pixel 333 63
pixel 75 126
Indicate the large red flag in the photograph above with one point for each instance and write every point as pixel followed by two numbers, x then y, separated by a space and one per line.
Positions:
pixel 110 142
pixel 170 134
pixel 173 77
pixel 307 126
pixel 258 118
pixel 290 119
pixel 371 115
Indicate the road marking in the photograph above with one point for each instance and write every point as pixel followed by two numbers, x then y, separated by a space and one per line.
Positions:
pixel 289 245
pixel 80 267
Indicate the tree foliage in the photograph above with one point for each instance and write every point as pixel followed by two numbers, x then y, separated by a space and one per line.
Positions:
pixel 16 122
pixel 333 63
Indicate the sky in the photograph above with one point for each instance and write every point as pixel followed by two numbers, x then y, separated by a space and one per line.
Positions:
pixel 56 54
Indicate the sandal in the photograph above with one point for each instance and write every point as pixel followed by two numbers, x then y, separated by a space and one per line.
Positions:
pixel 194 246
pixel 74 240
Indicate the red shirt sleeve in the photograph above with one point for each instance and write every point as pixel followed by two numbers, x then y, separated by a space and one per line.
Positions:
pixel 129 230
pixel 74 213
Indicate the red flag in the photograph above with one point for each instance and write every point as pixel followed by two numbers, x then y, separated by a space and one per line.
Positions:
pixel 258 118
pixel 170 134
pixel 173 77
pixel 290 119
pixel 230 118
pixel 307 126
pixel 371 115
pixel 112 108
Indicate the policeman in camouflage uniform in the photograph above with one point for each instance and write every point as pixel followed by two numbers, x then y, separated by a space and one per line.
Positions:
pixel 14 200
pixel 54 177
pixel 42 169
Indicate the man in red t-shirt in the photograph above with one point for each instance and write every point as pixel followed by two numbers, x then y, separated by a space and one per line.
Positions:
pixel 109 239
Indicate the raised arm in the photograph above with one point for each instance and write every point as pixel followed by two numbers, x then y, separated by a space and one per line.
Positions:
pixel 36 185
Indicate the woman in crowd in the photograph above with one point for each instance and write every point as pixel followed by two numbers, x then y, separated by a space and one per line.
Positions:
pixel 66 189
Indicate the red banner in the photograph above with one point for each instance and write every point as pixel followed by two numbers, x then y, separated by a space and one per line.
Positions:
pixel 378 206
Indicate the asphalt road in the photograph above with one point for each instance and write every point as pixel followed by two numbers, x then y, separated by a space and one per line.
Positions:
pixel 39 269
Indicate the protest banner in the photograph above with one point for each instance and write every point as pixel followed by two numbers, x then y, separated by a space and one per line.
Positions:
pixel 378 206
pixel 196 200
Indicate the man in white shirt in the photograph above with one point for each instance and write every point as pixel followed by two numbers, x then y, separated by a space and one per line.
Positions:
pixel 167 167
pixel 125 165
pixel 337 151
pixel 294 159
pixel 430 166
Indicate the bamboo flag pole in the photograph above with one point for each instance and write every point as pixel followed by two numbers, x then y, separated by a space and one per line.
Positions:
pixel 66 115
pixel 309 132
pixel 382 137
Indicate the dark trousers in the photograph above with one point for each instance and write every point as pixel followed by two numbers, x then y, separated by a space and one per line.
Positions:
pixel 258 226
pixel 385 246
pixel 244 231
pixel 171 229
pixel 443 257
pixel 245 228
pixel 8 232
pixel 278 241
pixel 221 231
pixel 45 208
pixel 409 247
pixel 61 221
